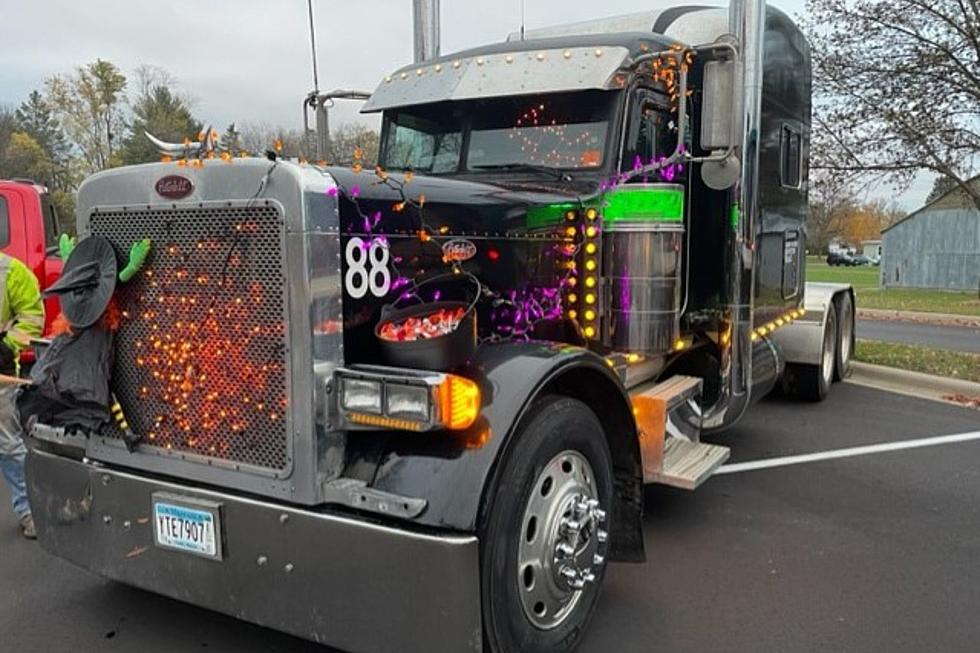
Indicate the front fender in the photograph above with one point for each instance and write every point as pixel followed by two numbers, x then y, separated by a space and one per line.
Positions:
pixel 453 478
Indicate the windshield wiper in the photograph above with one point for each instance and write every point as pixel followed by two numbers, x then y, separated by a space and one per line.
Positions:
pixel 554 172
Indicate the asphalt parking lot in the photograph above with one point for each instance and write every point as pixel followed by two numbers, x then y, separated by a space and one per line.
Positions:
pixel 875 552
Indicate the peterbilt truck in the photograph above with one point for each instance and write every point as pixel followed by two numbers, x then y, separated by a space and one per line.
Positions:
pixel 413 407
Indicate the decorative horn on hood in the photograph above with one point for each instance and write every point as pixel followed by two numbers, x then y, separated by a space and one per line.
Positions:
pixel 209 144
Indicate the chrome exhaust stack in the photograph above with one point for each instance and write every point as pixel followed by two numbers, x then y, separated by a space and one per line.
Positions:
pixel 746 21
pixel 425 17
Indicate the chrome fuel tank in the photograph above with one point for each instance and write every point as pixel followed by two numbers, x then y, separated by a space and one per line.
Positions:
pixel 643 234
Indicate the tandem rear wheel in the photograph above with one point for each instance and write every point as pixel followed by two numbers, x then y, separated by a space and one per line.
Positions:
pixel 544 530
pixel 812 382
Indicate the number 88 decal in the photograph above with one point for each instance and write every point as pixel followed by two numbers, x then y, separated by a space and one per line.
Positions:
pixel 367 268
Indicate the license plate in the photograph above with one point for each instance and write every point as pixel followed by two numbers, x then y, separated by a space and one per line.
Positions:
pixel 188 525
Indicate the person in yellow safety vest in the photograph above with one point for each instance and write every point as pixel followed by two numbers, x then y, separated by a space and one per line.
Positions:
pixel 21 318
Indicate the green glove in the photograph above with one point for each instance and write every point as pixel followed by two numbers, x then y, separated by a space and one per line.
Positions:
pixel 65 246
pixel 137 256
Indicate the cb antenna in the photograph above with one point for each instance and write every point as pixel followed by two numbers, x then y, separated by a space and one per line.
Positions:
pixel 316 80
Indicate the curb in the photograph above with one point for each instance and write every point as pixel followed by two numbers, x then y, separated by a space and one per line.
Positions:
pixel 913 384
pixel 941 319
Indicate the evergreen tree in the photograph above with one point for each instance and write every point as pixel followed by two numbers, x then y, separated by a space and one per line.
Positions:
pixel 35 117
pixel 940 187
pixel 163 114
pixel 231 140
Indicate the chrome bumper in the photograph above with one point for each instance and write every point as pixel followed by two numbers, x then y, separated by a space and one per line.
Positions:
pixel 355 585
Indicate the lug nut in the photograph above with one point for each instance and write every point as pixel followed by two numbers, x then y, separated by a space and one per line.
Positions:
pixel 601 535
pixel 598 560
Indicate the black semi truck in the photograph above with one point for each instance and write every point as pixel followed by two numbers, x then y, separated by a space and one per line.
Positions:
pixel 413 407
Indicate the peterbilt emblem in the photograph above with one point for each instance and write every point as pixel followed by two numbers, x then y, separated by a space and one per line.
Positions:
pixel 174 187
pixel 458 249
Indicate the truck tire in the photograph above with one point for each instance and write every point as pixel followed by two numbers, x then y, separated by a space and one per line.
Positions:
pixel 544 531
pixel 812 382
pixel 845 337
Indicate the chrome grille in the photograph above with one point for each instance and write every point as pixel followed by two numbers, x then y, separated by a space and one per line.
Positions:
pixel 201 349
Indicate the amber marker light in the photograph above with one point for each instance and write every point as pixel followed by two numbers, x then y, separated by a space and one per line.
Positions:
pixel 459 402
pixel 385 422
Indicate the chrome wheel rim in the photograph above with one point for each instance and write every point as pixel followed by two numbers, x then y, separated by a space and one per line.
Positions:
pixel 827 363
pixel 846 327
pixel 561 542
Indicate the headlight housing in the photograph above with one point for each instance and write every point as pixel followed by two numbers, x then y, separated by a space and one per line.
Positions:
pixel 410 400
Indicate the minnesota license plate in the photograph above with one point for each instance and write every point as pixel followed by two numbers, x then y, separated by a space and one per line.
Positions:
pixel 189 525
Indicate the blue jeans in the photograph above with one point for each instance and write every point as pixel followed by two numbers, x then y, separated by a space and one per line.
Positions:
pixel 13 472
pixel 12 451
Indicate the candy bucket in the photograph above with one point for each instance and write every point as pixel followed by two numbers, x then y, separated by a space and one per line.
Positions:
pixel 437 335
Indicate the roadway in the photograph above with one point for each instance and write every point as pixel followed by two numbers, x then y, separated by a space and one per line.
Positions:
pixel 871 553
pixel 956 338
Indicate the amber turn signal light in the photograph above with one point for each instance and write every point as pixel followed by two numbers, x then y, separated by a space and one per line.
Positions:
pixel 459 402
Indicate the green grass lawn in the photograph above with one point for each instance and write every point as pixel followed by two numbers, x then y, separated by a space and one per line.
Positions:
pixel 869 295
pixel 958 365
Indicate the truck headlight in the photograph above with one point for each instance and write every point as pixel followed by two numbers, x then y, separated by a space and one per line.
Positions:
pixel 408 402
pixel 361 395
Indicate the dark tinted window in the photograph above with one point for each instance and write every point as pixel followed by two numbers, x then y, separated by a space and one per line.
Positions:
pixel 4 222
pixel 424 139
pixel 791 157
pixel 50 222
pixel 560 130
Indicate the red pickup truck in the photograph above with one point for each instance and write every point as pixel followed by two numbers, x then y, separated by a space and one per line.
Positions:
pixel 29 231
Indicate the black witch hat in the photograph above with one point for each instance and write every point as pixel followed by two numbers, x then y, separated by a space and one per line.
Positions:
pixel 87 281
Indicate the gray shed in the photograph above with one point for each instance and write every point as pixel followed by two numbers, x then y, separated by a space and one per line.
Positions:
pixel 937 246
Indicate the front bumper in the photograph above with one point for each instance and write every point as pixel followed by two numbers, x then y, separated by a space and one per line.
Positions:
pixel 336 580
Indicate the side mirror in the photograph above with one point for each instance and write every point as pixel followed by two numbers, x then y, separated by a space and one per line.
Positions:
pixel 720 105
pixel 721 122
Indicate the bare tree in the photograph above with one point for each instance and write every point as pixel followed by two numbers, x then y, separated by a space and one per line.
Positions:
pixel 831 198
pixel 89 104
pixel 258 137
pixel 350 138
pixel 897 88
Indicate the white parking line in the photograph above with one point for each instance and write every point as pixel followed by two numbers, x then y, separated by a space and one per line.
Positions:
pixel 846 453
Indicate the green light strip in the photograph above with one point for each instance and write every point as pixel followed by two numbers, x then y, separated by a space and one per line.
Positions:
pixel 548 215
pixel 736 216
pixel 644 204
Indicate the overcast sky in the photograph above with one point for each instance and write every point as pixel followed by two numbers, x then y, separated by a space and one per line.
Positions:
pixel 249 60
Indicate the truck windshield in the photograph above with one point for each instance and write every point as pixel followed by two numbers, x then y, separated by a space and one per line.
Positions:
pixel 565 131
